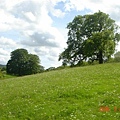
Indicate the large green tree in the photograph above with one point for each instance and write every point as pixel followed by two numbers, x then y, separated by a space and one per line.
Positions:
pixel 22 63
pixel 90 37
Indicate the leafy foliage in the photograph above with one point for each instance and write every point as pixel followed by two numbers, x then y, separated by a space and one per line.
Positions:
pixel 90 37
pixel 22 63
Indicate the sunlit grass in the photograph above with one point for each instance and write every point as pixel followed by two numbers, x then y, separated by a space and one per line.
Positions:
pixel 69 94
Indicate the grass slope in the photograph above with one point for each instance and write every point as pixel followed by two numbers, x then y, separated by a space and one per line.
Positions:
pixel 69 94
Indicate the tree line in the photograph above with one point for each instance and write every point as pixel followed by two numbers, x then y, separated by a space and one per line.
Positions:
pixel 91 37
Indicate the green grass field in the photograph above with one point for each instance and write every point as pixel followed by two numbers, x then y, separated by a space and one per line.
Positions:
pixel 81 93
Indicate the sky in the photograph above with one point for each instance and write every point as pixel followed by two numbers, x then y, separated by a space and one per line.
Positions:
pixel 39 26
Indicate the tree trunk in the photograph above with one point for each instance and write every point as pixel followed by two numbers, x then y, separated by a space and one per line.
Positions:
pixel 100 57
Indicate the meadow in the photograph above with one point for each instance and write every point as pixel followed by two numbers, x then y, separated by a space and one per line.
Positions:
pixel 81 93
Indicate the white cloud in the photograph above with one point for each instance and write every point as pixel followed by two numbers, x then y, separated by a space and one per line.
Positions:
pixel 111 7
pixel 31 19
pixel 6 46
pixel 3 59
pixel 3 52
pixel 58 13
pixel 30 16
pixel 42 51
pixel 5 42
pixel 41 39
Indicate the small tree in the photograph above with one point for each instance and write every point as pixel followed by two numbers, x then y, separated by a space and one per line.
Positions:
pixel 22 63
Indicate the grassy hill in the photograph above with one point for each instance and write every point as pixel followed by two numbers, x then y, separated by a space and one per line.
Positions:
pixel 83 93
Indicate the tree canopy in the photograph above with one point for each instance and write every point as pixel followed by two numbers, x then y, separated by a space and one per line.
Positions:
pixel 90 37
pixel 22 63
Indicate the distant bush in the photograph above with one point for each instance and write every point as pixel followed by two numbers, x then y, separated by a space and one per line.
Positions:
pixel 61 67
pixel 50 69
